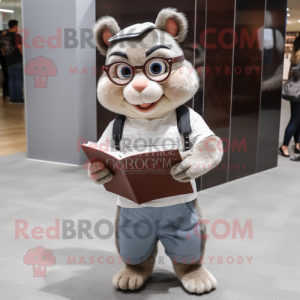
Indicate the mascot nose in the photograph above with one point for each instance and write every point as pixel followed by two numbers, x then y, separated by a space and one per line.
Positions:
pixel 140 84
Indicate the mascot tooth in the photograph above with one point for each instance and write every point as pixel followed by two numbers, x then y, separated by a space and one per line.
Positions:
pixel 147 80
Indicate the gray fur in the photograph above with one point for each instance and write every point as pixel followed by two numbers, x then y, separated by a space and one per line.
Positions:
pixel 102 177
pixel 135 48
pixel 204 156
pixel 102 24
pixel 132 277
pixel 180 19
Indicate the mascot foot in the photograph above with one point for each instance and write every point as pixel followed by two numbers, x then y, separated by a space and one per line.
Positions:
pixel 130 278
pixel 195 278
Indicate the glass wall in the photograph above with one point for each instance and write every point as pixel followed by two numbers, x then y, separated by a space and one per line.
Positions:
pixel 10 9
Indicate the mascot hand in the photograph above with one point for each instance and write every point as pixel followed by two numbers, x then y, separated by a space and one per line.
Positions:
pixel 203 157
pixel 99 173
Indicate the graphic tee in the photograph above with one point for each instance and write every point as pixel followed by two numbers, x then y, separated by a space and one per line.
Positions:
pixel 9 43
pixel 143 135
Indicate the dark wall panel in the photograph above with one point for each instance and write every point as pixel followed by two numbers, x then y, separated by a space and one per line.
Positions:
pixel 249 23
pixel 240 82
pixel 269 119
pixel 217 87
pixel 199 52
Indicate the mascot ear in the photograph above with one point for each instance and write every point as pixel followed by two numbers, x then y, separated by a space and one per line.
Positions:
pixel 104 29
pixel 173 22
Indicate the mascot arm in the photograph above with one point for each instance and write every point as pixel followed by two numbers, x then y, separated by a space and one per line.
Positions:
pixel 204 156
pixel 97 171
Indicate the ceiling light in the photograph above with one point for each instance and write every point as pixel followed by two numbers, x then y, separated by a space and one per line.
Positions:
pixel 287 9
pixel 288 15
pixel 298 21
pixel 6 10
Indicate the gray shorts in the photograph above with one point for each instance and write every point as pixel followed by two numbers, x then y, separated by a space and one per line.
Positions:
pixel 176 226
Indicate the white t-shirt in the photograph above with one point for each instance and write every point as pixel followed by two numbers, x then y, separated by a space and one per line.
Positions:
pixel 143 135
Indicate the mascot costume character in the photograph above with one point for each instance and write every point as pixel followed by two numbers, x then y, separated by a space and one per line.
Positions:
pixel 146 80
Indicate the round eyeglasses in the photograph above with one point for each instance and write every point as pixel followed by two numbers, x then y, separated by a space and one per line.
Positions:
pixel 156 68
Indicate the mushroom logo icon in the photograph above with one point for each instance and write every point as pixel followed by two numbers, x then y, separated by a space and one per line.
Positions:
pixel 40 68
pixel 39 258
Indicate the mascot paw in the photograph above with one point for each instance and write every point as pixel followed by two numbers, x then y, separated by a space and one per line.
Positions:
pixel 204 156
pixel 199 281
pixel 99 173
pixel 128 279
pixel 190 168
pixel 183 171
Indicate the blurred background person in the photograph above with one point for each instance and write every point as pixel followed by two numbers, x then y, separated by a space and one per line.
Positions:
pixel 293 128
pixel 3 64
pixel 11 43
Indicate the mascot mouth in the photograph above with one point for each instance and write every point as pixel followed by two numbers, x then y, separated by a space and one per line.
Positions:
pixel 146 107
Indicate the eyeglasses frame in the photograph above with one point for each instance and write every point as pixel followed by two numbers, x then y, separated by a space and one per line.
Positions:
pixel 169 61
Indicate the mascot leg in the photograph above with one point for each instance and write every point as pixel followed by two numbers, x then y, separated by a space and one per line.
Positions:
pixel 194 277
pixel 133 276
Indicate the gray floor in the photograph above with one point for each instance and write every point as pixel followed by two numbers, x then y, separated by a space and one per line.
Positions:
pixel 42 192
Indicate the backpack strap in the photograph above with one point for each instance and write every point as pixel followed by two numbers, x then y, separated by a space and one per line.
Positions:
pixel 184 124
pixel 118 130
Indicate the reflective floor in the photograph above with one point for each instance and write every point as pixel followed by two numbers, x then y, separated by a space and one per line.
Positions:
pixel 12 128
pixel 263 267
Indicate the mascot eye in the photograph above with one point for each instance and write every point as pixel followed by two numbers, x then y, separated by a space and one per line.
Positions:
pixel 36 68
pixel 45 68
pixel 124 71
pixel 157 67
pixel 120 73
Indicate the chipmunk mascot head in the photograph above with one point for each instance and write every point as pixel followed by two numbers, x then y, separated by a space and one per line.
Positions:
pixel 146 79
